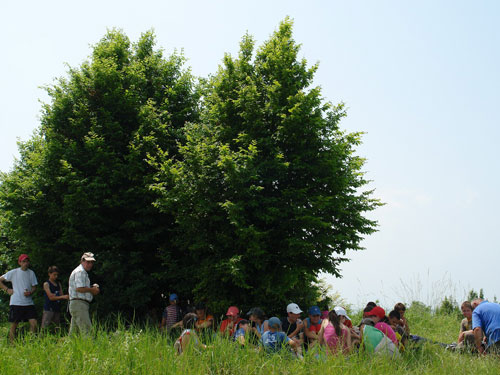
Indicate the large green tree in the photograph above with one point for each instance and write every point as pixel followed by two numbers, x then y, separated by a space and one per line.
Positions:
pixel 268 191
pixel 81 183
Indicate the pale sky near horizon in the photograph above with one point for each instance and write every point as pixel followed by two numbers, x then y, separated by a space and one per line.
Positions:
pixel 422 80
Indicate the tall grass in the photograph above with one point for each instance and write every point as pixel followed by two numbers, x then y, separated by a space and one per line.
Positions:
pixel 136 350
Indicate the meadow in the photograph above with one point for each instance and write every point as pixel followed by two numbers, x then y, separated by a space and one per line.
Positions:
pixel 135 350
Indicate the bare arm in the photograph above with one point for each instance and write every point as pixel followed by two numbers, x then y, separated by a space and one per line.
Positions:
pixel 312 335
pixel 4 287
pixel 478 337
pixel 321 333
pixel 93 290
pixel 30 292
pixel 405 325
pixel 300 325
pixel 206 324
pixel 51 295
pixel 348 341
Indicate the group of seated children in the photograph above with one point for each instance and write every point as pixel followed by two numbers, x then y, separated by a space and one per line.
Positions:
pixel 331 330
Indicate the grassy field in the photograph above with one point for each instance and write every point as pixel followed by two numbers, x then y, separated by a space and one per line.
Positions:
pixel 144 351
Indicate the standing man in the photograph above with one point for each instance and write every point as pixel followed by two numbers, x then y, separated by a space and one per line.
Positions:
pixel 24 283
pixel 486 319
pixel 81 294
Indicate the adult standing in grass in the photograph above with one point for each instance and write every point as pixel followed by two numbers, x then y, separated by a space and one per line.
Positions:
pixel 486 319
pixel 53 297
pixel 24 283
pixel 172 316
pixel 81 294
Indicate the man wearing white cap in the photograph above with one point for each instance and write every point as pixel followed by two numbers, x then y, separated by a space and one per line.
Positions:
pixel 292 325
pixel 81 294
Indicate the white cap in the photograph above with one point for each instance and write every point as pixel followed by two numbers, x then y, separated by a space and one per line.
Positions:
pixel 293 308
pixel 340 311
pixel 89 257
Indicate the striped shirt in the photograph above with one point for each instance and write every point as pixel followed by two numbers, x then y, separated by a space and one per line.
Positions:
pixel 79 279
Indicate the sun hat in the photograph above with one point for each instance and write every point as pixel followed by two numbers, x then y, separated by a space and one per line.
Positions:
pixel 314 310
pixel 340 311
pixel 274 322
pixel 232 311
pixel 376 311
pixel 293 308
pixel 89 257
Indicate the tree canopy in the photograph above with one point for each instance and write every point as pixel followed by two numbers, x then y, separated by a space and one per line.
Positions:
pixel 239 189
pixel 267 193
pixel 82 182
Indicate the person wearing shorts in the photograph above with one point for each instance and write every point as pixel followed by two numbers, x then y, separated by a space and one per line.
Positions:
pixel 22 308
pixel 53 297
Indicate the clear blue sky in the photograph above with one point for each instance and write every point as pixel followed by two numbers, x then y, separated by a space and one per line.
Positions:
pixel 422 79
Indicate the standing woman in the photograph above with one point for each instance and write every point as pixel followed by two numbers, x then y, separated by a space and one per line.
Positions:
pixel 53 297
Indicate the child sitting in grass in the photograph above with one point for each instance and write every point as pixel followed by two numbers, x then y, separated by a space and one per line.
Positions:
pixel 335 335
pixel 242 327
pixel 188 335
pixel 274 340
pixel 312 326
pixel 373 341
pixel 466 336
pixel 401 309
pixel 397 326
pixel 377 314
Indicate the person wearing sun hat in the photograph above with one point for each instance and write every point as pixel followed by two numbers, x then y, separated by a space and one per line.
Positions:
pixel 275 339
pixel 227 326
pixel 292 325
pixel 312 326
pixel 346 321
pixel 373 341
pixel 81 294
pixel 377 314
pixel 24 285
pixel 172 315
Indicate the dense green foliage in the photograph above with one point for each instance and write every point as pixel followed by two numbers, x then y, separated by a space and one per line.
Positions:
pixel 136 351
pixel 268 191
pixel 238 191
pixel 82 181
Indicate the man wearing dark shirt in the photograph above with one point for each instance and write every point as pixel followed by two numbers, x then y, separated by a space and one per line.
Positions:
pixel 292 325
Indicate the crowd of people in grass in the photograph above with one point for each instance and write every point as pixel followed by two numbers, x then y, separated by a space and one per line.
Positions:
pixel 331 331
